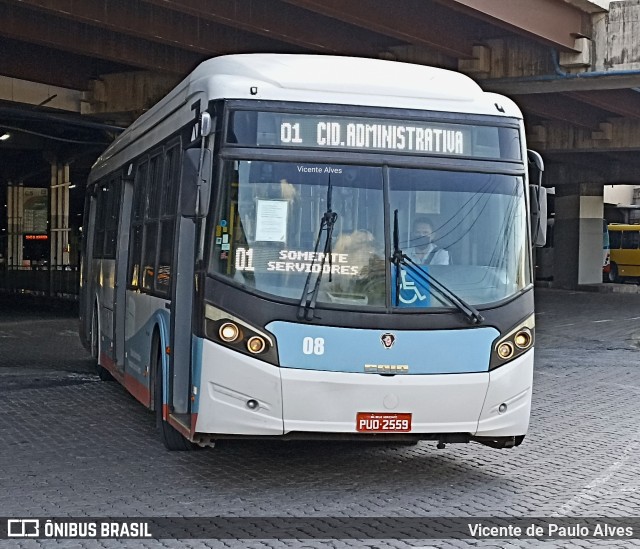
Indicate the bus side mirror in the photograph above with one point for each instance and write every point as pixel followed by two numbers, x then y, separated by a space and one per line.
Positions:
pixel 196 182
pixel 537 200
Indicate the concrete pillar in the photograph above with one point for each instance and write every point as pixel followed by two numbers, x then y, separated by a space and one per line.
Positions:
pixel 59 227
pixel 578 256
pixel 15 199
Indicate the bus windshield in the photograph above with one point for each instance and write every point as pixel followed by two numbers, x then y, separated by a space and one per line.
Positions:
pixel 269 237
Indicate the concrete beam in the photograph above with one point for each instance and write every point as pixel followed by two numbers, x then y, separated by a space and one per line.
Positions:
pixel 562 83
pixel 564 109
pixel 172 25
pixel 555 22
pixel 45 65
pixel 612 57
pixel 599 169
pixel 411 21
pixel 31 93
pixel 590 6
pixel 624 103
pixel 623 135
pixel 616 38
pixel 129 92
pixel 280 21
pixel 82 39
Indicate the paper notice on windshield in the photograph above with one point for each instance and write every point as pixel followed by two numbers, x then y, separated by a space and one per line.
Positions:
pixel 271 222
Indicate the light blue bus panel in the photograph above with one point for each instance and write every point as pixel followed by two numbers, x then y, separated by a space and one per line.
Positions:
pixel 327 348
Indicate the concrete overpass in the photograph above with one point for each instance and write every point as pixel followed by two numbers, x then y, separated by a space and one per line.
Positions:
pixel 73 72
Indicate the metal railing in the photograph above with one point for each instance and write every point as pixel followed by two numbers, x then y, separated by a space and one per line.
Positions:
pixel 63 282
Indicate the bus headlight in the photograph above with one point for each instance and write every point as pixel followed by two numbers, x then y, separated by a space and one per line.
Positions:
pixel 256 345
pixel 505 350
pixel 229 332
pixel 523 338
pixel 518 341
pixel 238 335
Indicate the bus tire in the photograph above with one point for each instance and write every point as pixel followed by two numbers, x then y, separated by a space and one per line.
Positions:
pixel 613 273
pixel 102 372
pixel 171 438
pixel 94 333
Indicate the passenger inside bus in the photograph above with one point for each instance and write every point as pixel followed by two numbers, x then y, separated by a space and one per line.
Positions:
pixel 365 263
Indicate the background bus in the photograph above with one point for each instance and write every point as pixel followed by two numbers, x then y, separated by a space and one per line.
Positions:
pixel 248 270
pixel 624 252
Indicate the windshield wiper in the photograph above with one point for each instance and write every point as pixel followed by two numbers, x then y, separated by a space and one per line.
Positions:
pixel 327 222
pixel 400 259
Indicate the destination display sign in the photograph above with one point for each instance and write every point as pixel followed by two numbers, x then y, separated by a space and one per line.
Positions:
pixel 317 131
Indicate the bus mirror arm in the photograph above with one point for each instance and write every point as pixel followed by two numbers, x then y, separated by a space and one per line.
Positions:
pixel 196 178
pixel 537 200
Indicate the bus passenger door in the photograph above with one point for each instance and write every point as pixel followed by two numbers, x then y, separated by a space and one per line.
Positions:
pixel 107 217
pixel 182 298
pixel 122 259
pixel 87 275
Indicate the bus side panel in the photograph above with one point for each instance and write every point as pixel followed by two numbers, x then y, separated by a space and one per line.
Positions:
pixel 628 262
pixel 510 385
pixel 141 318
pixel 228 380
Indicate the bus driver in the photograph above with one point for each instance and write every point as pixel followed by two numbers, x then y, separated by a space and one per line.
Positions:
pixel 423 251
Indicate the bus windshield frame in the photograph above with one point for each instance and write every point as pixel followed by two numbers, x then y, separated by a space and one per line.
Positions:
pixel 266 234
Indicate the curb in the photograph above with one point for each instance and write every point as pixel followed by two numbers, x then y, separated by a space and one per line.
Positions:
pixel 603 288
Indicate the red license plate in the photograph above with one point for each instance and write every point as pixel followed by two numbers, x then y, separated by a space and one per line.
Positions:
pixel 373 422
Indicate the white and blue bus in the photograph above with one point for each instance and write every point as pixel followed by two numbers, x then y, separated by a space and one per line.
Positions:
pixel 250 267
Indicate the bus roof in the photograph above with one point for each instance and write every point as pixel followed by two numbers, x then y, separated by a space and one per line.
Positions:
pixel 624 227
pixel 319 79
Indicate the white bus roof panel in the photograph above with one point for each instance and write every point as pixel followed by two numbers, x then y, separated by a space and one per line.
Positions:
pixel 313 79
pixel 343 80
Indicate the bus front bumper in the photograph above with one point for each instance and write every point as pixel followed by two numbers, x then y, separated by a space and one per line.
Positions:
pixel 240 395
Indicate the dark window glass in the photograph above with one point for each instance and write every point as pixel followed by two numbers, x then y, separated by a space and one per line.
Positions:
pixel 139 192
pixel 373 134
pixel 101 203
pixel 134 260
pixel 165 253
pixel 135 236
pixel 171 182
pixel 614 239
pixel 149 254
pixel 112 212
pixel 153 226
pixel 154 188
pixel 169 186
pixel 630 240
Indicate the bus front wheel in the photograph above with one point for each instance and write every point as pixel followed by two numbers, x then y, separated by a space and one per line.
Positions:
pixel 613 273
pixel 170 437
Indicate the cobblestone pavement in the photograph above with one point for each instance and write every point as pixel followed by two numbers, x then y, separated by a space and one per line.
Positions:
pixel 75 446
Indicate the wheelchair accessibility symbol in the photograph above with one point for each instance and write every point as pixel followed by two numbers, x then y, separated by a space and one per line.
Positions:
pixel 410 292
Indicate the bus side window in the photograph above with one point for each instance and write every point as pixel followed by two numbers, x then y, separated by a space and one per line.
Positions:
pixel 169 193
pixel 151 223
pixel 135 236
pixel 630 240
pixel 102 196
pixel 614 239
pixel 112 218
